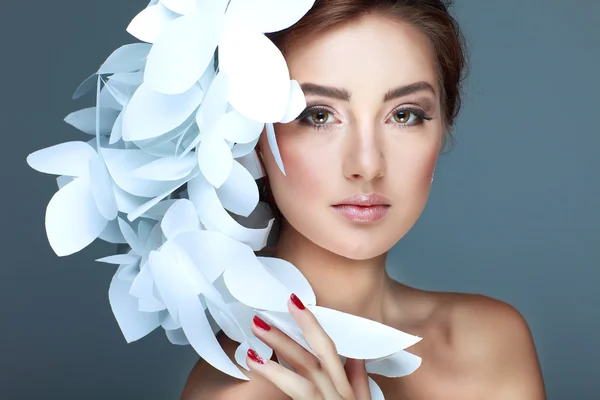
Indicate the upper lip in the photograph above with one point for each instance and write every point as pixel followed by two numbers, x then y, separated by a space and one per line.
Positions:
pixel 365 200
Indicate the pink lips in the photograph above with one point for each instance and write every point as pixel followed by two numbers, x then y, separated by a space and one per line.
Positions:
pixel 363 208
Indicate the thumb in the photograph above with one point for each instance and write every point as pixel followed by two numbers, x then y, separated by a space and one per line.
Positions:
pixel 358 378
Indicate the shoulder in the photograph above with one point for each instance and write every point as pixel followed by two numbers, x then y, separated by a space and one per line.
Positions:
pixel 207 383
pixel 494 340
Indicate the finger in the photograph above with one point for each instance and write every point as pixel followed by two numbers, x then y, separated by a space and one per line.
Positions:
pixel 358 378
pixel 304 363
pixel 290 383
pixel 322 345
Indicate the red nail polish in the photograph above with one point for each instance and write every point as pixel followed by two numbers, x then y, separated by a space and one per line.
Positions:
pixel 297 302
pixel 254 356
pixel 261 324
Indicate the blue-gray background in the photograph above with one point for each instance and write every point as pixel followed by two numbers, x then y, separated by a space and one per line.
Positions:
pixel 513 212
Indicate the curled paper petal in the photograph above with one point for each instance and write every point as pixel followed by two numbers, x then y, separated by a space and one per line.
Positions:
pixel 214 217
pixel 375 390
pixel 183 50
pixel 239 193
pixel 149 24
pixel 127 58
pixel 249 161
pixel 336 324
pixel 177 337
pixel 191 314
pixel 167 168
pixel 119 259
pixel 215 159
pixel 236 128
pixel 85 120
pixel 274 147
pixel 150 114
pixel 214 104
pixel 291 277
pixel 268 15
pixel 69 158
pixel 72 218
pixel 102 189
pixel 133 323
pixel 296 105
pixel 398 364
pixel 180 217
pixel 259 91
pixel 86 86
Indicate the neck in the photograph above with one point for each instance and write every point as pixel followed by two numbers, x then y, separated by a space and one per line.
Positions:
pixel 358 287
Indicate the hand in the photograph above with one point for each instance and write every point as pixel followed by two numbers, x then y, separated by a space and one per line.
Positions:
pixel 322 378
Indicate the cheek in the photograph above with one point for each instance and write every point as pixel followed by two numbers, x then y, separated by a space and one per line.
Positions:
pixel 307 171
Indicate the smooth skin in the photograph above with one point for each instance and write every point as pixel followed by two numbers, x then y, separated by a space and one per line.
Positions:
pixel 371 135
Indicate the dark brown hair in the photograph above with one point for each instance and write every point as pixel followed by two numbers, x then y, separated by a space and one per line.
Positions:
pixel 430 16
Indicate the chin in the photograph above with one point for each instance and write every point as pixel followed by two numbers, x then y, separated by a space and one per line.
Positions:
pixel 360 245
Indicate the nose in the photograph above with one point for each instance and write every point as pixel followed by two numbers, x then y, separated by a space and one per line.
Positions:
pixel 364 155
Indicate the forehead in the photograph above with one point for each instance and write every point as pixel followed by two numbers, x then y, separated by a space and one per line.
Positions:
pixel 372 52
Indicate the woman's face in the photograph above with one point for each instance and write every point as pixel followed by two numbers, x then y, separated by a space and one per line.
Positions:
pixel 372 126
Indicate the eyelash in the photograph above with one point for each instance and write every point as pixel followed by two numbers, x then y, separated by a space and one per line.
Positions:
pixel 304 117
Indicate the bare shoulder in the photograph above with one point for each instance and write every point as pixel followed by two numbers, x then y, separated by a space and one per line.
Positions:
pixel 493 339
pixel 207 383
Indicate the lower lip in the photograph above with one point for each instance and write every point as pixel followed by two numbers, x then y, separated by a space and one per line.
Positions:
pixel 362 214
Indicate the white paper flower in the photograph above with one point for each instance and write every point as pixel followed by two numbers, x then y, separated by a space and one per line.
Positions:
pixel 174 129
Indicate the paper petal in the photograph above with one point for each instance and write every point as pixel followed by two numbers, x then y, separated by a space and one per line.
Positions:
pixel 167 168
pixel 180 217
pixel 116 133
pixel 150 114
pixel 268 15
pixel 376 393
pixel 346 330
pixel 142 288
pixel 250 161
pixel 84 87
pixel 214 104
pixel 121 162
pixel 258 90
pixel 251 284
pixel 148 24
pixel 130 236
pixel 398 364
pixel 180 6
pixel 127 58
pixel 72 219
pixel 177 337
pixel 239 193
pixel 112 233
pixel 236 128
pixel 191 315
pixel 129 78
pixel 133 323
pixel 135 214
pixel 296 105
pixel 119 259
pixel 85 120
pixel 215 159
pixel 272 139
pixel 214 217
pixel 102 189
pixel 183 50
pixel 69 158
pixel 291 277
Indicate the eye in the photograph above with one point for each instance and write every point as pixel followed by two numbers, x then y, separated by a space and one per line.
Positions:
pixel 317 117
pixel 408 117
pixel 403 116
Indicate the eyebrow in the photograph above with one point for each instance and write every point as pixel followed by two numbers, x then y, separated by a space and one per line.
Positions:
pixel 345 95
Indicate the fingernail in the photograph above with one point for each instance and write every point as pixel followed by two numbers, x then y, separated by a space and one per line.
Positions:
pixel 254 356
pixel 261 324
pixel 297 302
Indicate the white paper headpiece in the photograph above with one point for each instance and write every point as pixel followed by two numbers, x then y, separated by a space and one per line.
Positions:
pixel 170 160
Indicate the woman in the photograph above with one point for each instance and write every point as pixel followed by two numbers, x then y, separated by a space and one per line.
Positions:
pixel 382 82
